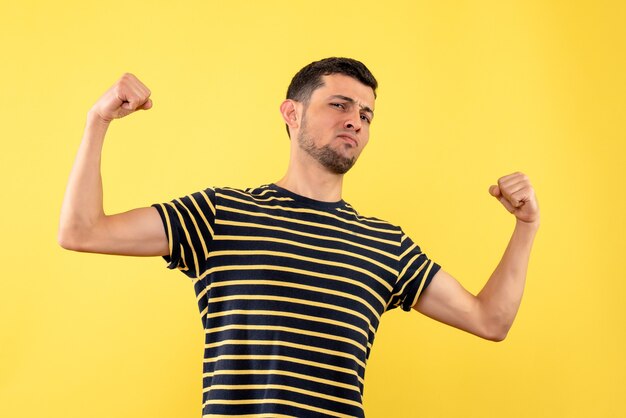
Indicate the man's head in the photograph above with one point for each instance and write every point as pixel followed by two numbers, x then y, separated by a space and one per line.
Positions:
pixel 329 107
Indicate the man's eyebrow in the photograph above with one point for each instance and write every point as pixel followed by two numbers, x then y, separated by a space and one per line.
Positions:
pixel 351 100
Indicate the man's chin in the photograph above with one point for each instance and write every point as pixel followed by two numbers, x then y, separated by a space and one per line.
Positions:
pixel 339 165
pixel 337 161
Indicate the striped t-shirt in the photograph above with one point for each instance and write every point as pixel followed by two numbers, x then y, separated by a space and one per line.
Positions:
pixel 290 292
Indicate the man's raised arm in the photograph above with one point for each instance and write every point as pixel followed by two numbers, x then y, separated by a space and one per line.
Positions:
pixel 490 314
pixel 83 225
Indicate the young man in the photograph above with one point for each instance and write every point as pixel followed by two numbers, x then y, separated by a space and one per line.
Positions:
pixel 291 281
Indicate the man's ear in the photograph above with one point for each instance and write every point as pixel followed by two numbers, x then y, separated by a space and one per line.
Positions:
pixel 289 111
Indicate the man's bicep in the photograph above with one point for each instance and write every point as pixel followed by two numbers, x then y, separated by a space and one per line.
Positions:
pixel 445 300
pixel 138 232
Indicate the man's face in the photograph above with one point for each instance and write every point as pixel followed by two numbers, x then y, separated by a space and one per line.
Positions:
pixel 335 124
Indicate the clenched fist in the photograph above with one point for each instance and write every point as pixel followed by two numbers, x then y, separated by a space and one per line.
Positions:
pixel 518 197
pixel 123 98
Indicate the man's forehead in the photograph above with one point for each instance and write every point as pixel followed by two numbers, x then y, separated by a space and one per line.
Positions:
pixel 336 85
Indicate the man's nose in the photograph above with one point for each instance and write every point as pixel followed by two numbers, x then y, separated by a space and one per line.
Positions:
pixel 353 122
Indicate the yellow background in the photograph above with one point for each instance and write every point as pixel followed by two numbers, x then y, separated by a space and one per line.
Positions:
pixel 469 91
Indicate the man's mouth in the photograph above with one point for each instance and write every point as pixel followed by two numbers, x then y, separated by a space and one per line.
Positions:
pixel 350 139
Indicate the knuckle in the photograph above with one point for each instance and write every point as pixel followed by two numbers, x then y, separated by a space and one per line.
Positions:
pixel 127 79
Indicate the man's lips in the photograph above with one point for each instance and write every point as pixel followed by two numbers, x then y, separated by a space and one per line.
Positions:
pixel 350 138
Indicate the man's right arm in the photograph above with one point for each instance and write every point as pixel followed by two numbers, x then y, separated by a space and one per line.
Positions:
pixel 83 225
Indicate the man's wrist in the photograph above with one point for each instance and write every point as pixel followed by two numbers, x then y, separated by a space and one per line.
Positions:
pixel 95 128
pixel 527 226
pixel 94 118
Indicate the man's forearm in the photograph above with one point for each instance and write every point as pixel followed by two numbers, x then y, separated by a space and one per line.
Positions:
pixel 501 297
pixel 83 202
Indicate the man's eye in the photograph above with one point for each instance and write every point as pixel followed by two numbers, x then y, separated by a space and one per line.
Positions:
pixel 338 105
pixel 365 118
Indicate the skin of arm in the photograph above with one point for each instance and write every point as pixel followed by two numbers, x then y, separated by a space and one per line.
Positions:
pixel 490 314
pixel 83 224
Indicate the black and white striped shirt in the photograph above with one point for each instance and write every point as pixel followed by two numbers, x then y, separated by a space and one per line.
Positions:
pixel 290 292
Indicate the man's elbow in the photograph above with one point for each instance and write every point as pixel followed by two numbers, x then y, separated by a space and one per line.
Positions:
pixel 71 239
pixel 496 337
pixel 66 240
pixel 496 333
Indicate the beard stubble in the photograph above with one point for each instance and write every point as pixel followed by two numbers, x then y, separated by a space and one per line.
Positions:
pixel 326 156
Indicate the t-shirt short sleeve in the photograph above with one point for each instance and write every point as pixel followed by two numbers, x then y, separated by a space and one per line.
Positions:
pixel 189 223
pixel 416 271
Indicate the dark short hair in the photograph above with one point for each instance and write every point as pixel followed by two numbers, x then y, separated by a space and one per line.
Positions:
pixel 309 78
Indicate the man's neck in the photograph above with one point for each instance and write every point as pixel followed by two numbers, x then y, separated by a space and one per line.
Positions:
pixel 312 181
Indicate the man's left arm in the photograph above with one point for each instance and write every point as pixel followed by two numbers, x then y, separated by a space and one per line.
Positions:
pixel 490 314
